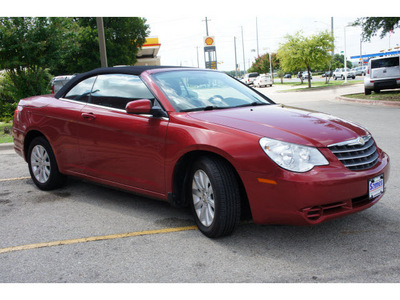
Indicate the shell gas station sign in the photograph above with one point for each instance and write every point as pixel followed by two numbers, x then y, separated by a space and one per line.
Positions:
pixel 209 41
pixel 210 54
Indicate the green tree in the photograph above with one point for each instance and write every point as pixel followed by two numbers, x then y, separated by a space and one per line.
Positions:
pixel 300 52
pixel 261 64
pixel 338 62
pixel 280 74
pixel 124 37
pixel 372 25
pixel 28 47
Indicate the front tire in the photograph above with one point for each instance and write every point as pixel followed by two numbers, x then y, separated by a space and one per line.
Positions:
pixel 214 196
pixel 43 165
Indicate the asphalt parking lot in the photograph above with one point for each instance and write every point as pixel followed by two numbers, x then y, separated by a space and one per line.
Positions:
pixel 89 233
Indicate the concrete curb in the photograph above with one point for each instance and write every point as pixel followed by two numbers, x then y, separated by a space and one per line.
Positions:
pixel 6 146
pixel 370 102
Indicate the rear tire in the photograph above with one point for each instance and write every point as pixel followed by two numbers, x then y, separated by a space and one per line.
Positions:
pixel 367 92
pixel 43 165
pixel 214 196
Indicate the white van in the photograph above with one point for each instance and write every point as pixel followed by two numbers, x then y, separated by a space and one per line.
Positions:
pixel 383 73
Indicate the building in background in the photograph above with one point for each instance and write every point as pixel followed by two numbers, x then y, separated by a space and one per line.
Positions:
pixel 147 56
pixel 364 59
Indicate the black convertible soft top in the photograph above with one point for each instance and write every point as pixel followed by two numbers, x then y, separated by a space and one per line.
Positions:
pixel 133 70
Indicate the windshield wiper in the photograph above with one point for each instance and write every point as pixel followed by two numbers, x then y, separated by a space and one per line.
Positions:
pixel 252 104
pixel 208 107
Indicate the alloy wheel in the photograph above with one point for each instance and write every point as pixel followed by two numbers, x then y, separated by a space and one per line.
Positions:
pixel 40 164
pixel 203 198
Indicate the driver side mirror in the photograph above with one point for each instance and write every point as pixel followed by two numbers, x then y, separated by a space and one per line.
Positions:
pixel 144 106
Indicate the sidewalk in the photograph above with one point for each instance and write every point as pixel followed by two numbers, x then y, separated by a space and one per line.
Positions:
pixel 6 146
pixel 370 102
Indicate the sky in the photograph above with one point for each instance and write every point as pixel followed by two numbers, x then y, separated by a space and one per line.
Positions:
pixel 182 37
pixel 180 25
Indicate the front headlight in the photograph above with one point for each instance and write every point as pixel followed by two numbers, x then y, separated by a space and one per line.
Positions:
pixel 292 157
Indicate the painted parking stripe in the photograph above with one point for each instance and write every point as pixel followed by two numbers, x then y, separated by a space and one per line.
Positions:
pixel 14 179
pixel 96 238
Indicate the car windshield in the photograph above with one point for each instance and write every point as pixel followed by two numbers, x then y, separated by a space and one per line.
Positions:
pixel 193 90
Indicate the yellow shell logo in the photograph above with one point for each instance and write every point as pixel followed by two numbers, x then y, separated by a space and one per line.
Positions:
pixel 209 41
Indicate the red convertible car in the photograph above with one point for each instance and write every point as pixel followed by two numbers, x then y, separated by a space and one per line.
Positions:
pixel 200 138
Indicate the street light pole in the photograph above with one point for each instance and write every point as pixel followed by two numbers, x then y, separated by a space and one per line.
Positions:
pixel 345 57
pixel 244 64
pixel 270 68
pixel 258 53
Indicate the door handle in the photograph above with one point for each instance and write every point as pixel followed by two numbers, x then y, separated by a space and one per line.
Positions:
pixel 88 116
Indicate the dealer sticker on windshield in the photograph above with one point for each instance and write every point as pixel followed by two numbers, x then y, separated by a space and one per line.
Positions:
pixel 375 186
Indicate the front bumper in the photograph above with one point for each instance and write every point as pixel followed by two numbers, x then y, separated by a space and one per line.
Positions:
pixel 324 193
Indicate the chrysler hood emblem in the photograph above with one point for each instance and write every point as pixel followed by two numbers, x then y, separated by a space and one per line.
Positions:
pixel 361 141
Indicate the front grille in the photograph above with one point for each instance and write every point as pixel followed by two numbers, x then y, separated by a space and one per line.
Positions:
pixel 356 155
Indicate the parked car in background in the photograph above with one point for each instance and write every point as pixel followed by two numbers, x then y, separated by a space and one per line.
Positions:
pixel 361 71
pixel 341 73
pixel 200 138
pixel 287 76
pixel 250 77
pixel 304 74
pixel 263 80
pixel 383 73
pixel 327 74
pixel 59 81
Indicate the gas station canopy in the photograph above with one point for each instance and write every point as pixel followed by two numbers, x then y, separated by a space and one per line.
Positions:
pixel 147 56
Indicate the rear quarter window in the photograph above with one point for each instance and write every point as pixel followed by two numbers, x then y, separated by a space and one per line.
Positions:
pixel 81 91
pixel 385 63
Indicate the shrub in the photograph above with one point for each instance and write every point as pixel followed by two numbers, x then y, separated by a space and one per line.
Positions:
pixel 18 84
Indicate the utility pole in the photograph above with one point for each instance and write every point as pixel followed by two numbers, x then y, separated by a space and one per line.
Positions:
pixel 206 25
pixel 234 40
pixel 209 54
pixel 102 42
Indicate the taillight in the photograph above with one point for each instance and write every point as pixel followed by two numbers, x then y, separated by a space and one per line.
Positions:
pixel 52 89
pixel 17 113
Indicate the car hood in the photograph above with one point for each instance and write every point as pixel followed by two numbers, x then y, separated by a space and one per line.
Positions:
pixel 285 123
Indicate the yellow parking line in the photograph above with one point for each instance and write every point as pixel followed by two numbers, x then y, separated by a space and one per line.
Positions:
pixel 96 238
pixel 14 179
